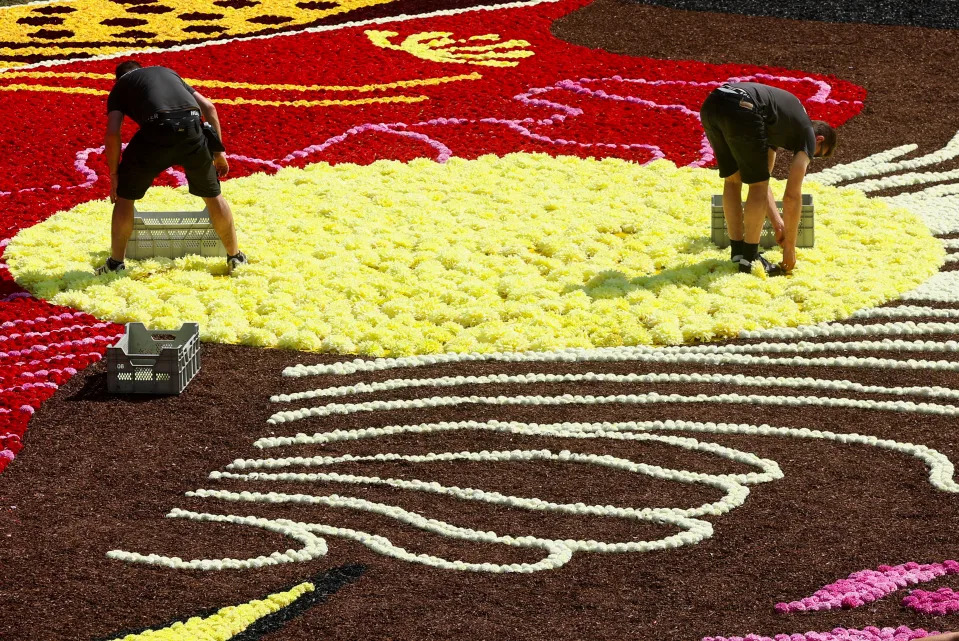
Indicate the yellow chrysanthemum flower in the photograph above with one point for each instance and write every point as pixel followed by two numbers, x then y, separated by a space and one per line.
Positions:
pixel 522 252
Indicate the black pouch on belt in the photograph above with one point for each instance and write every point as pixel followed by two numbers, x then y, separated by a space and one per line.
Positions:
pixel 213 142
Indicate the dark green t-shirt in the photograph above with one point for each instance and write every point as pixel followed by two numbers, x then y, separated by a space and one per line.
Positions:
pixel 787 124
pixel 143 92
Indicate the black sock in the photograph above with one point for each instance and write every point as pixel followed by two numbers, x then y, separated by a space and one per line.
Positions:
pixel 735 248
pixel 750 250
pixel 113 264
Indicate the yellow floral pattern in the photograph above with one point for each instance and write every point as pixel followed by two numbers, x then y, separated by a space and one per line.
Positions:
pixel 100 28
pixel 522 252
pixel 226 623
pixel 71 85
pixel 438 46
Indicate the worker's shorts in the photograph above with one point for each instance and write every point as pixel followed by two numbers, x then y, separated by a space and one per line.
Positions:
pixel 161 144
pixel 737 133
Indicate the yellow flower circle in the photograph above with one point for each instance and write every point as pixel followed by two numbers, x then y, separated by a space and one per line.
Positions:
pixel 522 252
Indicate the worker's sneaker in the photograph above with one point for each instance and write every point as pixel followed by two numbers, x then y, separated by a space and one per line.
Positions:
pixel 110 266
pixel 771 269
pixel 238 258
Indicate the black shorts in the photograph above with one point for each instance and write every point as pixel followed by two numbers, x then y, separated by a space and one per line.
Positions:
pixel 160 145
pixel 737 134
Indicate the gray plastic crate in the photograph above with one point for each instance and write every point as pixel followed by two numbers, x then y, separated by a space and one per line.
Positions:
pixel 804 238
pixel 173 234
pixel 153 361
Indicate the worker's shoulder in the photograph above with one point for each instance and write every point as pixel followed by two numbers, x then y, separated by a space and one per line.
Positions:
pixel 158 70
pixel 148 73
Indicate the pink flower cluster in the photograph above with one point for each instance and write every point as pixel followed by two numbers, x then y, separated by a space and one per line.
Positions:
pixel 902 633
pixel 942 601
pixel 866 586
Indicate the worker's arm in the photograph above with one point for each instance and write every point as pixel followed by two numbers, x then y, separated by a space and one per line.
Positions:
pixel 208 109
pixel 792 207
pixel 112 146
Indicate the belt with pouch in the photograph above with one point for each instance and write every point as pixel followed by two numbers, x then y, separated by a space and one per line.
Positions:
pixel 180 121
pixel 745 100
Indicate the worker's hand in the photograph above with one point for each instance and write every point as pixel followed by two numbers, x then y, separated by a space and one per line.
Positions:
pixel 113 189
pixel 789 259
pixel 222 166
pixel 781 235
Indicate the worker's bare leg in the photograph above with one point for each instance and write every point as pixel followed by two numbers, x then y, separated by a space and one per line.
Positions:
pixel 755 214
pixel 121 228
pixel 221 216
pixel 733 206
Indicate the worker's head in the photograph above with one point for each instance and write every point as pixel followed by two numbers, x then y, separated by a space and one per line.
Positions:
pixel 127 67
pixel 825 138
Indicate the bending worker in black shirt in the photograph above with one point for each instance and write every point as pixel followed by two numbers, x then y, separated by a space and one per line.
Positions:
pixel 168 113
pixel 746 122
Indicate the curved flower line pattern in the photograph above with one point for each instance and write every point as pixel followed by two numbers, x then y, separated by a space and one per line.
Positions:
pixel 532 97
pixel 637 399
pixel 81 164
pixel 523 126
pixel 694 529
pixel 260 470
pixel 559 551
pixel 872 633
pixel 942 601
pixel 520 379
pixel 866 586
pixel 706 152
pixel 938 205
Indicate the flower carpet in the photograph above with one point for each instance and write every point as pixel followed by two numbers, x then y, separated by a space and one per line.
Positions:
pixel 486 376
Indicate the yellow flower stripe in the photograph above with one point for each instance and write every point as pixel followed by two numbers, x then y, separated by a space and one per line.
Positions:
pixel 320 103
pixel 194 82
pixel 226 623
pixel 86 23
pixel 234 101
pixel 520 252
pixel 46 88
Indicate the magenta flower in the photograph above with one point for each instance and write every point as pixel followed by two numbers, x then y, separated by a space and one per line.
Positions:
pixel 866 586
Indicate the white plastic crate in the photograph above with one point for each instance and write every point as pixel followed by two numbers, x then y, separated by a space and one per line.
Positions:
pixel 153 361
pixel 804 238
pixel 172 234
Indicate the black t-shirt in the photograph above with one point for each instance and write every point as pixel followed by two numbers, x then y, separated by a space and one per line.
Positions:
pixel 143 92
pixel 787 124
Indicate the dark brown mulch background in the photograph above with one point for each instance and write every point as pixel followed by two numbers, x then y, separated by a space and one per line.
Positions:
pixel 941 14
pixel 100 472
pixel 104 471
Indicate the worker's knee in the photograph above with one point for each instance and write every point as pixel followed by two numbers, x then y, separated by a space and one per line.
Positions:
pixel 736 180
pixel 123 208
pixel 758 190
pixel 217 205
